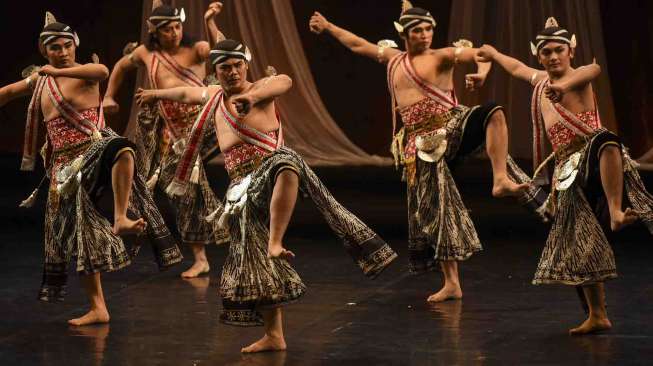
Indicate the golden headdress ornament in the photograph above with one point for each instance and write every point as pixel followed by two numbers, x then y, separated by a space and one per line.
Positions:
pixel 49 19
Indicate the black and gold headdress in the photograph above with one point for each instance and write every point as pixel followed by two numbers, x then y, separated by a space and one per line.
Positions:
pixel 227 49
pixel 552 32
pixel 53 30
pixel 163 15
pixel 411 16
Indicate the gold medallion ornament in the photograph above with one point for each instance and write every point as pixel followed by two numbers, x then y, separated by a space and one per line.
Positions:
pixel 567 173
pixel 432 146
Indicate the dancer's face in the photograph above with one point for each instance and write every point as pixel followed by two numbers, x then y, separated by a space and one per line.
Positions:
pixel 555 57
pixel 170 35
pixel 232 74
pixel 60 52
pixel 419 37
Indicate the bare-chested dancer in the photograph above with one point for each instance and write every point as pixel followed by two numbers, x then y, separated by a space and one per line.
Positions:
pixel 172 59
pixel 265 178
pixel 592 171
pixel 82 156
pixel 437 131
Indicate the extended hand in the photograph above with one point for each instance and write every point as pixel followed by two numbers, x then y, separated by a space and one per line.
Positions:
pixel 110 106
pixel 49 70
pixel 485 53
pixel 144 97
pixel 243 104
pixel 213 10
pixel 474 81
pixel 555 92
pixel 318 23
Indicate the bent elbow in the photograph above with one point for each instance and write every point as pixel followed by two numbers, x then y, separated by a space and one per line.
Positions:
pixel 286 80
pixel 103 72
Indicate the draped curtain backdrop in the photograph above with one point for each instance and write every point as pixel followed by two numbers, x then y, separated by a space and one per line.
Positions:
pixel 510 25
pixel 268 29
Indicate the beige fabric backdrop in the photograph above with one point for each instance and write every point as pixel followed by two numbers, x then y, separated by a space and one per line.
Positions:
pixel 510 25
pixel 268 28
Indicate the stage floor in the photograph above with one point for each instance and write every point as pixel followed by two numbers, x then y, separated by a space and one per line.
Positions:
pixel 344 318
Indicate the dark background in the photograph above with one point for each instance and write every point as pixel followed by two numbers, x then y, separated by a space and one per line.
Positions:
pixel 352 87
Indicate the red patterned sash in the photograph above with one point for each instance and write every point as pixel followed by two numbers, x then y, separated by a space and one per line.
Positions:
pixel 429 90
pixel 192 149
pixel 248 134
pixel 182 73
pixel 65 109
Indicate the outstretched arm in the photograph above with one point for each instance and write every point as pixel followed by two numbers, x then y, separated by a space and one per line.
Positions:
pixel 123 66
pixel 213 34
pixel 90 72
pixel 262 91
pixel 356 44
pixel 16 90
pixel 513 66
pixel 182 94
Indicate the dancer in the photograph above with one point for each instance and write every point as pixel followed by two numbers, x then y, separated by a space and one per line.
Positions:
pixel 265 178
pixel 82 157
pixel 172 59
pixel 594 177
pixel 437 132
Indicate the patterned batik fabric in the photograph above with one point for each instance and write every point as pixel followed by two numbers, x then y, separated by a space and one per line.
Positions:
pixel 577 251
pixel 439 225
pixel 155 146
pixel 250 281
pixel 76 231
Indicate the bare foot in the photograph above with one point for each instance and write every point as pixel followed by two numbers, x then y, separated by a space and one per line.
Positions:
pixel 198 268
pixel 591 325
pixel 266 344
pixel 123 226
pixel 446 293
pixel 94 316
pixel 504 187
pixel 278 251
pixel 621 219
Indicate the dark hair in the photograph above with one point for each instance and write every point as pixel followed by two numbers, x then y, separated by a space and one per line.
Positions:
pixel 152 42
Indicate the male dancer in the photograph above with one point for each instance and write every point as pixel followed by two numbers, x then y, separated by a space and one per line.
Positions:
pixel 592 168
pixel 257 278
pixel 82 157
pixel 172 59
pixel 437 131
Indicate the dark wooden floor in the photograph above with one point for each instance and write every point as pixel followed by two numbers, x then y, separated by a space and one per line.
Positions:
pixel 344 319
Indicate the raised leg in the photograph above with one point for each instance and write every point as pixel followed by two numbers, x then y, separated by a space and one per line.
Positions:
pixel 282 205
pixel 98 312
pixel 598 315
pixel 273 339
pixel 451 289
pixel 122 176
pixel 612 180
pixel 497 149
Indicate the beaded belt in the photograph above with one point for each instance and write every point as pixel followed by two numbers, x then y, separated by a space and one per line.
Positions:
pixel 573 146
pixel 437 121
pixel 243 169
